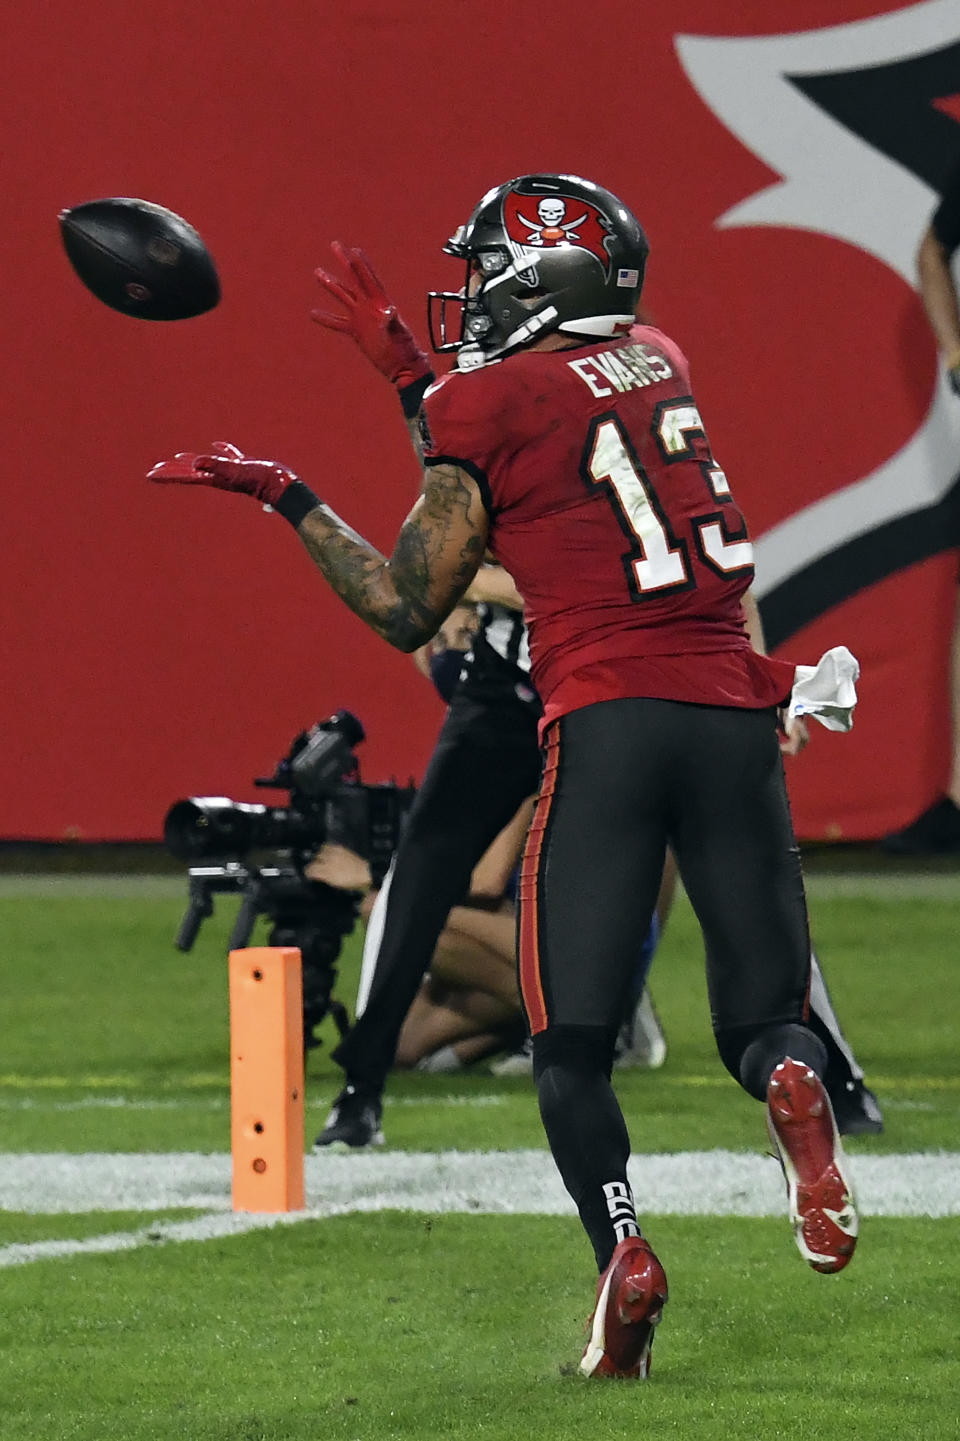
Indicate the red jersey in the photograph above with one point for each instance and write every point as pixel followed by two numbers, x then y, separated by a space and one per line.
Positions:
pixel 616 523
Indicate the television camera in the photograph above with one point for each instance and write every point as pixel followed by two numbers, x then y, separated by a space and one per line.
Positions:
pixel 259 852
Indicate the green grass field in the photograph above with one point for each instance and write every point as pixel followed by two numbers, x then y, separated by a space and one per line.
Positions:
pixel 439 1324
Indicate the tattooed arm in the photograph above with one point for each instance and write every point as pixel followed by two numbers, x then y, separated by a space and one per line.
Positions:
pixel 436 555
pixel 404 599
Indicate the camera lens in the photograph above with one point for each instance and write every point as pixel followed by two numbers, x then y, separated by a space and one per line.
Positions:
pixel 211 826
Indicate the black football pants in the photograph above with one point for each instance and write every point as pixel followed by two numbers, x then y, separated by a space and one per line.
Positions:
pixel 622 780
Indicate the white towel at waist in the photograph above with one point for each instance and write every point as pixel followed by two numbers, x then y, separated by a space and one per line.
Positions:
pixel 827 690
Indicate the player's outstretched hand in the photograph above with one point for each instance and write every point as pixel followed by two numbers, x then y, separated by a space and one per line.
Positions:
pixel 226 468
pixel 370 319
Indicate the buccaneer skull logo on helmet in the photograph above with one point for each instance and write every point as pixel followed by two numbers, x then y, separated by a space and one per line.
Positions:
pixel 543 253
pixel 587 228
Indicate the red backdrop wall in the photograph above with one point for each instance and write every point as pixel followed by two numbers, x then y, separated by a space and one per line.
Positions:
pixel 159 643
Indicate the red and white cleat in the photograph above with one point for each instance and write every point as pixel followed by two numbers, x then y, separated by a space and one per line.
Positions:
pixel 819 1193
pixel 631 1295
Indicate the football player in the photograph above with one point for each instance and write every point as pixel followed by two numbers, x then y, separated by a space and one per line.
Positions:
pixel 490 696
pixel 567 441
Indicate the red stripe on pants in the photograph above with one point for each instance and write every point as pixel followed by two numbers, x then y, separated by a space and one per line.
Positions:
pixel 531 987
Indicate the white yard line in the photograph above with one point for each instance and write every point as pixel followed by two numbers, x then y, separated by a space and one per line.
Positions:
pixel 690 1183
pixel 480 1101
pixel 204 1228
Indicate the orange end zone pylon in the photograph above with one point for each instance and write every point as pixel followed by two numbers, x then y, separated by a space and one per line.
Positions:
pixel 266 1078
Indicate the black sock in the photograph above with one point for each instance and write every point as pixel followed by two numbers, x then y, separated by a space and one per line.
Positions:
pixel 586 1131
pixel 773 1045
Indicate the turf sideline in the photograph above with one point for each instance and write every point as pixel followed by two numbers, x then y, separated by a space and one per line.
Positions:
pixel 884 883
pixel 717 1183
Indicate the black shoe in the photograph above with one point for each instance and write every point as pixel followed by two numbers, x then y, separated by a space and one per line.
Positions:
pixel 856 1110
pixel 935 832
pixel 354 1122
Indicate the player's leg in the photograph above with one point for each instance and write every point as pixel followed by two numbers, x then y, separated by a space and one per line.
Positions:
pixel 739 861
pixel 484 765
pixel 855 1107
pixel 588 884
pixel 640 1039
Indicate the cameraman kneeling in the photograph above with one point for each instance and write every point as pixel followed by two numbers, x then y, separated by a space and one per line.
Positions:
pixel 468 1004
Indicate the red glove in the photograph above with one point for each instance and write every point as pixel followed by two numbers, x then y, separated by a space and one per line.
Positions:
pixel 229 469
pixel 371 320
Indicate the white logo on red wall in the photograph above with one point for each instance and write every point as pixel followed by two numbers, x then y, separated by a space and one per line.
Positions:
pixel 843 171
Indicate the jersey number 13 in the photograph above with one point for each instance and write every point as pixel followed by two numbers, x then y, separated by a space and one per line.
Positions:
pixel 658 560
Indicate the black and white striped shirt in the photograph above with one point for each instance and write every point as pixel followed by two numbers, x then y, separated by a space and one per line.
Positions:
pixel 497 666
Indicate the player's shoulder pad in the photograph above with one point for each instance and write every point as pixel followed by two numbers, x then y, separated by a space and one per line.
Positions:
pixel 457 380
pixel 650 335
pixel 463 395
pixel 445 391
